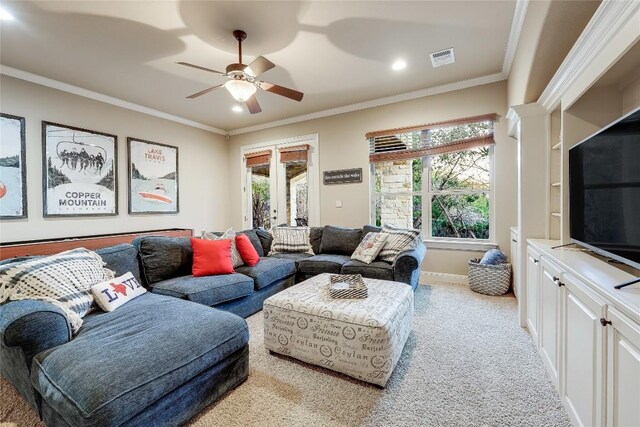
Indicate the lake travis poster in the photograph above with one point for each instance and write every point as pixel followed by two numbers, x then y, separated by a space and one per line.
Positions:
pixel 13 173
pixel 79 171
pixel 153 177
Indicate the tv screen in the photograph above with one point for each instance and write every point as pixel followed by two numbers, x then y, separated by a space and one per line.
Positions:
pixel 604 191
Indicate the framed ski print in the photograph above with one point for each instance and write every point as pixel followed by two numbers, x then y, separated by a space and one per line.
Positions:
pixel 79 171
pixel 153 177
pixel 13 169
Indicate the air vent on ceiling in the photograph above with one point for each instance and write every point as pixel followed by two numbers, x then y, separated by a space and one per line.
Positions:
pixel 442 57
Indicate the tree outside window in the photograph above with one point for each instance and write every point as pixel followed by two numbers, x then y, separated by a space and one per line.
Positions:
pixel 454 202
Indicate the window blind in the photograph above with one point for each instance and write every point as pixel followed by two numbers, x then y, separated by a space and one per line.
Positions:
pixel 259 158
pixel 431 139
pixel 294 154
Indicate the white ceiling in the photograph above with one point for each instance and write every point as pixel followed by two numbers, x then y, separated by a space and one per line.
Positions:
pixel 337 53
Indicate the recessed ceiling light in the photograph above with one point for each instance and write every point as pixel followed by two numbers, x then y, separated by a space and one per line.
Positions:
pixel 399 65
pixel 5 15
pixel 237 109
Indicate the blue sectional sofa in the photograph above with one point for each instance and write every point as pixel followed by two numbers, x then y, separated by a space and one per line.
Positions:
pixel 160 359
pixel 157 360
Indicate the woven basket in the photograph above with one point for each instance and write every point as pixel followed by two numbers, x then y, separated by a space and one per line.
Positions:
pixel 489 279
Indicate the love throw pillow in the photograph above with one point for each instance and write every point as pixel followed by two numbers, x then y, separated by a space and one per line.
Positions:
pixel 247 251
pixel 111 294
pixel 211 257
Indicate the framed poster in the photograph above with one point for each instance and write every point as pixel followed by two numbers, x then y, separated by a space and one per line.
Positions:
pixel 79 171
pixel 153 177
pixel 13 169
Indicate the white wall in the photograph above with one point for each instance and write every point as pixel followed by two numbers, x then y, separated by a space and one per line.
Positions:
pixel 202 165
pixel 342 145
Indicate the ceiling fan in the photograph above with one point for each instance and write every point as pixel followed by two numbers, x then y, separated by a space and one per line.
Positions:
pixel 242 83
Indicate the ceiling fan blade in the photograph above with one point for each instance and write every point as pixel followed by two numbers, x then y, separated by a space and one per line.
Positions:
pixel 252 104
pixel 186 64
pixel 259 66
pixel 195 95
pixel 281 90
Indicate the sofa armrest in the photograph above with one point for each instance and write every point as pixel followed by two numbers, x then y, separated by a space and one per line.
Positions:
pixel 406 266
pixel 34 326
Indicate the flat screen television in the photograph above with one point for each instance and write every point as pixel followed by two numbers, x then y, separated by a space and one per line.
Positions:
pixel 604 191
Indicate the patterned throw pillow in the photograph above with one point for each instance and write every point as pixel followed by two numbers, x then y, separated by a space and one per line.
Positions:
pixel 236 259
pixel 370 247
pixel 111 294
pixel 64 279
pixel 290 240
pixel 399 240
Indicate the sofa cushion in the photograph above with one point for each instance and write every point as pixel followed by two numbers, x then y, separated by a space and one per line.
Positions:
pixel 370 229
pixel 376 270
pixel 255 241
pixel 315 238
pixel 63 279
pixel 211 257
pixel 323 263
pixel 207 290
pixel 121 259
pixel 268 270
pixel 266 239
pixel 124 361
pixel 293 257
pixel 247 251
pixel 340 240
pixel 164 257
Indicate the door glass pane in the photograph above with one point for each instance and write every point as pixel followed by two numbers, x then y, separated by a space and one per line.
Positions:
pixel 401 210
pixel 260 196
pixel 297 193
pixel 460 215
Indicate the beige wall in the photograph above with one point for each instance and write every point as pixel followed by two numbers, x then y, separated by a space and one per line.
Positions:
pixel 342 145
pixel 202 164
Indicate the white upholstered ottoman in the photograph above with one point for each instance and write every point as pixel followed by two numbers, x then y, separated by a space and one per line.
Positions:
pixel 362 338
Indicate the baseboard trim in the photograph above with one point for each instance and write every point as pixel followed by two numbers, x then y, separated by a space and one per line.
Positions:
pixel 427 277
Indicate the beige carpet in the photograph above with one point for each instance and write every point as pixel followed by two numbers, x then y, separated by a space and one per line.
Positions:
pixel 467 363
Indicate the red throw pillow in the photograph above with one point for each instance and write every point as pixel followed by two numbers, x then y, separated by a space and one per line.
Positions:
pixel 247 252
pixel 211 257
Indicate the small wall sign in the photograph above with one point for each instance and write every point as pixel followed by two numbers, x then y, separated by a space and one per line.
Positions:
pixel 342 176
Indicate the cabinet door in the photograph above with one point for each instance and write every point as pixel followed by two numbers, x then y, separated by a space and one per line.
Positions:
pixel 515 262
pixel 533 284
pixel 583 347
pixel 623 371
pixel 549 312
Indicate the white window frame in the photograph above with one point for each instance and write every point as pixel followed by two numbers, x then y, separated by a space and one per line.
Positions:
pixel 454 243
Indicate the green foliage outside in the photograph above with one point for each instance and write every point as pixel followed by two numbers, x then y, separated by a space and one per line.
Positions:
pixel 452 215
pixel 260 201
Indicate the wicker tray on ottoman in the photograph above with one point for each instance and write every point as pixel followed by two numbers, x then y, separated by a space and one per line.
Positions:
pixel 489 279
pixel 362 338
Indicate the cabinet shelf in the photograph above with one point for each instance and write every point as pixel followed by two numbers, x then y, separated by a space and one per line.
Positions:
pixel 557 146
pixel 556 214
pixel 556 184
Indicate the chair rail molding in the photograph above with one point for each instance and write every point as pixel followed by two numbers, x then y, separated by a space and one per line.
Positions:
pixel 606 22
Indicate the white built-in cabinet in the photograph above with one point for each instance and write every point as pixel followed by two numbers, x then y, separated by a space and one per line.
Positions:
pixel 549 312
pixel 533 259
pixel 583 352
pixel 587 333
pixel 623 370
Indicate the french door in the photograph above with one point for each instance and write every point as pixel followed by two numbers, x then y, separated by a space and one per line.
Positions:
pixel 280 184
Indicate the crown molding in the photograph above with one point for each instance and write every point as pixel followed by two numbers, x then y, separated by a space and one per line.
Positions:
pixel 514 36
pixel 518 112
pixel 606 22
pixel 65 87
pixel 450 87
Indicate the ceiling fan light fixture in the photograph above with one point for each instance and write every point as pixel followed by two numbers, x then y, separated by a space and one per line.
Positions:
pixel 241 90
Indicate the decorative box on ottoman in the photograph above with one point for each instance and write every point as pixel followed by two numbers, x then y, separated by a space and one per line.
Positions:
pixel 362 338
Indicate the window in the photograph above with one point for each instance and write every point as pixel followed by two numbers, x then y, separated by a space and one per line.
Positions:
pixel 436 178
